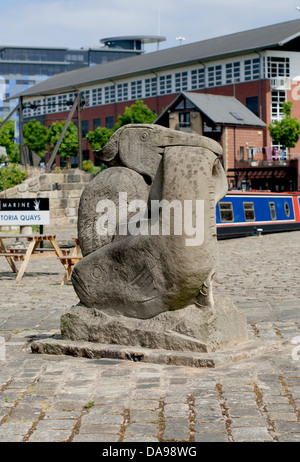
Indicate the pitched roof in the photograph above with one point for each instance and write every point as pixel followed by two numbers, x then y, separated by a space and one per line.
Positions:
pixel 222 110
pixel 228 45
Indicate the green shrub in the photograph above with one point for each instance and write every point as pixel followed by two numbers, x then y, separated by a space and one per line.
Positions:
pixel 10 176
pixel 88 166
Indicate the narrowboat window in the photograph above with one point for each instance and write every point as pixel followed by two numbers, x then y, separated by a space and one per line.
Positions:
pixel 272 210
pixel 226 212
pixel 249 211
pixel 287 209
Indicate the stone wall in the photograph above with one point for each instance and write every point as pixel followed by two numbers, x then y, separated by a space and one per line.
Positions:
pixel 63 190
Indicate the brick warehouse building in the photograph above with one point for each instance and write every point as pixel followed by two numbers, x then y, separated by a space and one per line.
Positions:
pixel 259 67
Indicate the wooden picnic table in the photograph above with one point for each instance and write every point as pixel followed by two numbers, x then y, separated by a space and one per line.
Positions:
pixel 33 251
pixel 69 261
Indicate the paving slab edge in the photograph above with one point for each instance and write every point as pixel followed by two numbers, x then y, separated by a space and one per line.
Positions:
pixel 91 350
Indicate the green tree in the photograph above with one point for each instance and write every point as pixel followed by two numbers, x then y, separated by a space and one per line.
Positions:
pixel 99 137
pixel 69 145
pixel 7 139
pixel 138 113
pixel 35 137
pixel 285 132
pixel 11 175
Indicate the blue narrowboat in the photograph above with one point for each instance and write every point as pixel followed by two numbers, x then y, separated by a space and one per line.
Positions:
pixel 242 213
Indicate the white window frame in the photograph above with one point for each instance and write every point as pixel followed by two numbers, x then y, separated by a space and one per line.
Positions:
pixel 136 89
pixel 96 98
pixel 233 72
pixel 198 79
pixel 215 75
pixel 277 98
pixel 252 69
pixel 165 84
pixel 109 94
pixel 278 67
pixel 181 81
pixel 150 87
pixel 122 92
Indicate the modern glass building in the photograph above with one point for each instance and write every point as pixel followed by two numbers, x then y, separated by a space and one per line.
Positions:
pixel 23 67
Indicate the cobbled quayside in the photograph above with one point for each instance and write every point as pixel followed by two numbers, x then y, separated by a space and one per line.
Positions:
pixel 73 399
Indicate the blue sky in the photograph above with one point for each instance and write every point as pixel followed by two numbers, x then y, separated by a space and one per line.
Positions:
pixel 78 23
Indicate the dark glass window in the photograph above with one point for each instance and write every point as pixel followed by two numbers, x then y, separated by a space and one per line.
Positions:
pixel 110 122
pixel 272 210
pixel 226 211
pixel 249 211
pixel 241 152
pixel 287 209
pixel 278 67
pixel 252 104
pixel 97 123
pixel 184 119
pixel 86 154
pixel 85 128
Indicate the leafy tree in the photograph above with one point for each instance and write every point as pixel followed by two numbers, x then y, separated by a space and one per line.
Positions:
pixel 99 137
pixel 138 113
pixel 35 137
pixel 10 176
pixel 285 132
pixel 69 144
pixel 7 139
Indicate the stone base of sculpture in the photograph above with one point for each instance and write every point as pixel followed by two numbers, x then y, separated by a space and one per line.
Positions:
pixel 194 328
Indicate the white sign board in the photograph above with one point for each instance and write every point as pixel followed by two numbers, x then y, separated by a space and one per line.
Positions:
pixel 24 212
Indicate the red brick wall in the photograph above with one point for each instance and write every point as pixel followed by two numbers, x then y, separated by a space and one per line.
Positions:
pixel 240 137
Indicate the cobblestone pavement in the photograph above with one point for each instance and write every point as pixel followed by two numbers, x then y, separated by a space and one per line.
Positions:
pixel 63 398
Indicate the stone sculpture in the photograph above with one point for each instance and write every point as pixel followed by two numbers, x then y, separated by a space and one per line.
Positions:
pixel 146 278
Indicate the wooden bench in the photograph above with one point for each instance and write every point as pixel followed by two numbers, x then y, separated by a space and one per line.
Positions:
pixel 16 256
pixel 70 261
pixel 32 251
